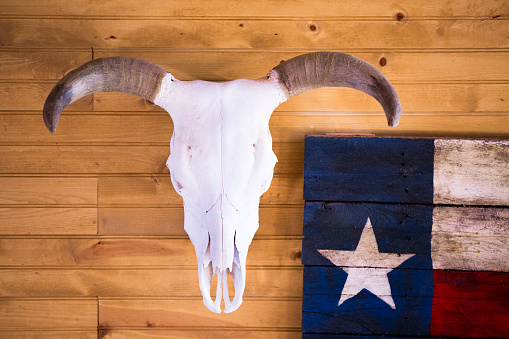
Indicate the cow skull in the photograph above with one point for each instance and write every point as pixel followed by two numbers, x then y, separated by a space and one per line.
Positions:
pixel 221 158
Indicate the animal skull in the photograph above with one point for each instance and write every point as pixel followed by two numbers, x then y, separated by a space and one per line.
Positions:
pixel 221 158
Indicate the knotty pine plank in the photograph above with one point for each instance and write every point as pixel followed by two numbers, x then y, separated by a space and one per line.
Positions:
pixel 31 95
pixel 48 314
pixel 55 221
pixel 249 33
pixel 40 64
pixel 133 252
pixel 400 66
pixel 280 220
pixel 156 128
pixel 157 191
pixel 107 333
pixel 48 191
pixel 266 8
pixel 53 334
pixel 167 282
pixel 415 97
pixel 157 313
pixel 220 65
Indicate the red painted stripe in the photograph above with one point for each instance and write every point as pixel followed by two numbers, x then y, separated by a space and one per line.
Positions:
pixel 470 304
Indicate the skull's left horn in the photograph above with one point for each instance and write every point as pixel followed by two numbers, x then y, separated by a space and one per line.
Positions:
pixel 114 74
pixel 332 69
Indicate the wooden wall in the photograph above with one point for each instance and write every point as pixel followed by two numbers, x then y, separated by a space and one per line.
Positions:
pixel 92 241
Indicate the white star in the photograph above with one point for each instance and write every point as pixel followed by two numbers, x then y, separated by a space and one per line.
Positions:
pixel 366 267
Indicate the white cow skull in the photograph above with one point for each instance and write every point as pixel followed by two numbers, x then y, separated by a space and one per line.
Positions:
pixel 221 158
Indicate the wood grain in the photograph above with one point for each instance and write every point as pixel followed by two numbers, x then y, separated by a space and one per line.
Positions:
pixel 226 64
pixel 156 128
pixel 40 64
pixel 103 171
pixel 179 282
pixel 108 159
pixel 48 314
pixel 280 220
pixel 272 8
pixel 59 334
pixel 274 33
pixel 470 239
pixel 157 191
pixel 46 220
pixel 107 333
pixel 22 96
pixel 48 191
pixel 102 252
pixel 254 313
pixel 414 97
pixel 474 172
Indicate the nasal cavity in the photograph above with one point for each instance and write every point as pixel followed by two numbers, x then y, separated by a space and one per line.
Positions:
pixel 231 288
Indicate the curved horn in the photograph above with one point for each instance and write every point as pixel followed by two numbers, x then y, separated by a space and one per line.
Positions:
pixel 113 74
pixel 333 69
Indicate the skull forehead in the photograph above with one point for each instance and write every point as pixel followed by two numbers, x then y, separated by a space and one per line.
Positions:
pixel 220 131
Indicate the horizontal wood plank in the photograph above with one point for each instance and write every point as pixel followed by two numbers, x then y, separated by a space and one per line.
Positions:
pixel 134 159
pixel 440 171
pixel 469 238
pixel 40 64
pixel 21 96
pixel 474 172
pixel 133 252
pixel 52 191
pixel 61 334
pixel 470 304
pixel 462 238
pixel 157 191
pixel 48 314
pixel 179 282
pixel 365 313
pixel 389 170
pixel 191 313
pixel 283 220
pixel 266 8
pixel 156 128
pixel 415 98
pixel 42 220
pixel 218 33
pixel 398 66
pixel 227 333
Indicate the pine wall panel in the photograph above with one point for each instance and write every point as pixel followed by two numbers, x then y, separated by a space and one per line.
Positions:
pixel 91 230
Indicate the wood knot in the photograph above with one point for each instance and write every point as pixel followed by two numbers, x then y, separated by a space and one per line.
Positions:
pixel 241 25
pixel 297 255
pixel 400 16
pixel 383 61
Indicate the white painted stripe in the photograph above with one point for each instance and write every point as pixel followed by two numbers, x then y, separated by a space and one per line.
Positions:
pixel 470 238
pixel 471 172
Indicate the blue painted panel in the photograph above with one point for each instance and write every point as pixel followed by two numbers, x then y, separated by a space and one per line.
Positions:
pixel 365 313
pixel 391 170
pixel 338 226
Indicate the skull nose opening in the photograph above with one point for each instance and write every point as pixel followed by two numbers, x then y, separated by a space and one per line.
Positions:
pixel 214 278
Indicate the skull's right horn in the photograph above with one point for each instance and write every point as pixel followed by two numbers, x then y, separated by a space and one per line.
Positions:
pixel 333 69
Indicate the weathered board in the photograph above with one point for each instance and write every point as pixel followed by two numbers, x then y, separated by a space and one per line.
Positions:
pixel 406 237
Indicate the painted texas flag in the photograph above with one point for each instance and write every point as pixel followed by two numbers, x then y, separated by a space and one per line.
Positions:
pixel 406 237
